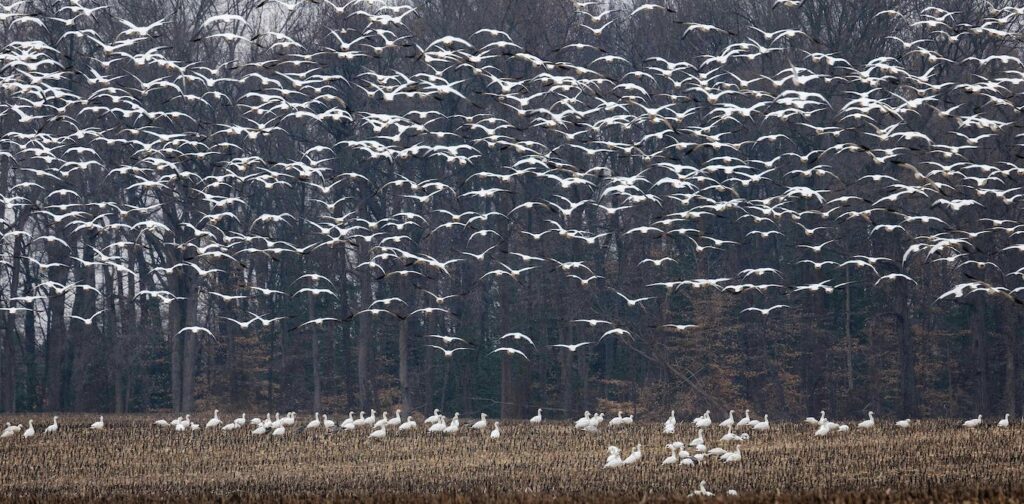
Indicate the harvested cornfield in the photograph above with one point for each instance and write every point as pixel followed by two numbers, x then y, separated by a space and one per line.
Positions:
pixel 133 459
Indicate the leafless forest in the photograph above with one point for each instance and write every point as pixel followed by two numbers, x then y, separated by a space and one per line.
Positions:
pixel 504 205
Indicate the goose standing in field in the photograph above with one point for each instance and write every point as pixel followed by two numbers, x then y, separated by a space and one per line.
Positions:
pixel 433 418
pixel 733 456
pixel 380 432
pixel 495 433
pixel 395 420
pixel 453 426
pixel 972 423
pixel 259 431
pixel 161 423
pixel 702 491
pixel 382 421
pixel 673 458
pixel 408 424
pixel 703 421
pixel 670 424
pixel 1005 422
pixel 816 421
pixel 215 421
pixel 728 422
pixel 278 431
pixel 480 424
pixel 762 425
pixel 635 455
pixel 358 422
pixel 240 421
pixel 823 430
pixel 328 423
pixel 30 431
pixel 230 426
pixel 52 427
pixel 869 423
pixel 536 419
pixel 98 425
pixel 289 420
pixel 438 426
pixel 583 421
pixel 620 420
pixel 614 458
pixel 699 440
pixel 348 423
pixel 615 421
pixel 729 436
pixel 183 425
pixel 315 422
pixel 903 424
pixel 745 420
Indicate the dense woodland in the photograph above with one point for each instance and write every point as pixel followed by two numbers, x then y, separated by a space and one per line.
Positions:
pixel 264 205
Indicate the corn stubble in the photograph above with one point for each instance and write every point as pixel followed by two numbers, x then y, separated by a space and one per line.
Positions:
pixel 132 459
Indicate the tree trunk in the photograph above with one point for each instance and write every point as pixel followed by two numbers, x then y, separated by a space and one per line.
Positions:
pixel 191 356
pixel 363 342
pixel 56 337
pixel 1010 385
pixel 403 364
pixel 315 353
pixel 979 354
pixel 849 341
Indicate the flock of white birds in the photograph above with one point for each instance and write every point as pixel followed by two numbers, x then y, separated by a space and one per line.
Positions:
pixel 439 423
pixel 692 453
pixel 582 147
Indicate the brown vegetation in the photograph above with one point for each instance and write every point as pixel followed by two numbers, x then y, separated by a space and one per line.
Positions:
pixel 934 460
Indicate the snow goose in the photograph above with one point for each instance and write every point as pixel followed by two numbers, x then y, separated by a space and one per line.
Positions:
pixel 972 423
pixel 728 422
pixel 215 421
pixel 583 421
pixel 673 458
pixel 635 455
pixel 869 423
pixel 52 428
pixel 536 419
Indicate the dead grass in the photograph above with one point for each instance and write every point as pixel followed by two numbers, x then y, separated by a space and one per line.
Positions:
pixel 933 461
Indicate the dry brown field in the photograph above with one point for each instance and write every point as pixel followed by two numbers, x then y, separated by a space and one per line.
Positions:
pixel 133 460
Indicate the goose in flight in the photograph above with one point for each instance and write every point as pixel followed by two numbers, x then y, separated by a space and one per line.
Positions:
pixel 649 7
pixel 764 311
pixel 572 348
pixel 448 340
pixel 510 351
pixel 448 353
pixel 517 336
